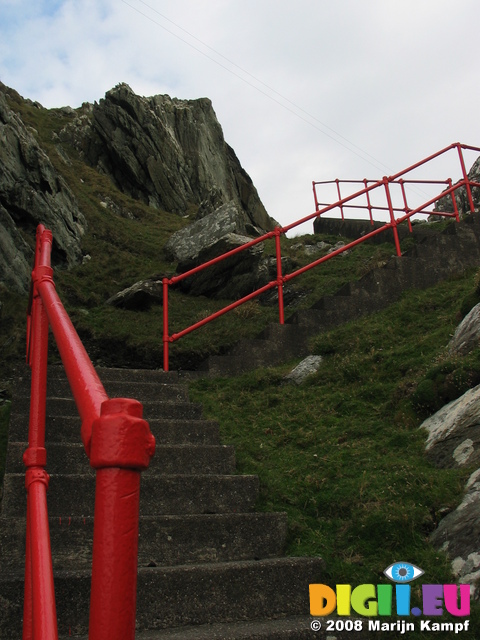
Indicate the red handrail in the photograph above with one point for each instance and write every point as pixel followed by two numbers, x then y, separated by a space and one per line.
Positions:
pixel 119 444
pixel 343 203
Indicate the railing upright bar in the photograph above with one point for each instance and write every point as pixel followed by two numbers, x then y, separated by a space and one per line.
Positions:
pixel 393 222
pixel 166 339
pixel 406 208
pixel 454 201
pixel 337 181
pixel 369 204
pixel 465 177
pixel 315 194
pixel 278 255
pixel 40 619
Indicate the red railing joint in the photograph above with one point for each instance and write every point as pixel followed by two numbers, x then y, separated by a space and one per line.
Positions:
pixel 120 437
pixel 42 274
pixel 35 474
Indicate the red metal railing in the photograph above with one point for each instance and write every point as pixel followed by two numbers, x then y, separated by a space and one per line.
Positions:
pixel 119 444
pixel 360 200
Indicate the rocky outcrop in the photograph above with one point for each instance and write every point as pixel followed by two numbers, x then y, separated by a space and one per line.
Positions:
pixel 454 441
pixel 215 234
pixel 461 197
pixel 140 296
pixel 454 432
pixel 467 334
pixel 167 152
pixel 458 534
pixel 31 192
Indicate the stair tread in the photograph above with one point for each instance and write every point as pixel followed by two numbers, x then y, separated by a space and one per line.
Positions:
pixel 292 628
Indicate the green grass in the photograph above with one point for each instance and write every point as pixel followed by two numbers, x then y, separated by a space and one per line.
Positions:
pixel 343 454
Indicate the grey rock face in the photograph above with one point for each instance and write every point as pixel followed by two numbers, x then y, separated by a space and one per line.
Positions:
pixel 461 197
pixel 32 192
pixel 186 245
pixel 458 534
pixel 140 296
pixel 209 237
pixel 167 152
pixel 467 334
pixel 454 431
pixel 454 438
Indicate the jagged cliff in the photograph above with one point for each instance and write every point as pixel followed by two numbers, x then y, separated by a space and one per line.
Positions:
pixel 31 191
pixel 168 153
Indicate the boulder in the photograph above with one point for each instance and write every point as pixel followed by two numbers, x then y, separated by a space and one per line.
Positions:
pixel 454 440
pixel 231 278
pixel 467 334
pixel 454 432
pixel 212 236
pixel 140 296
pixel 186 245
pixel 458 534
pixel 302 371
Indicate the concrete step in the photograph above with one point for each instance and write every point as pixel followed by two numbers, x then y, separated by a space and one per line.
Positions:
pixel 167 430
pixel 73 495
pixel 291 628
pixel 163 540
pixel 182 596
pixel 166 410
pixel 168 459
pixel 142 391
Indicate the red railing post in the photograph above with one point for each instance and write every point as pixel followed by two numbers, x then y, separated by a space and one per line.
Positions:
pixel 315 195
pixel 393 222
pixel 40 619
pixel 369 204
pixel 465 177
pixel 406 207
pixel 278 254
pixel 337 181
pixel 121 448
pixel 166 338
pixel 454 200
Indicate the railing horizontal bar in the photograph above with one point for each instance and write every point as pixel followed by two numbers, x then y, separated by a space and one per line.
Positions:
pixel 88 391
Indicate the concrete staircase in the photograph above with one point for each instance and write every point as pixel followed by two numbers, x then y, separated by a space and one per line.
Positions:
pixel 435 257
pixel 209 566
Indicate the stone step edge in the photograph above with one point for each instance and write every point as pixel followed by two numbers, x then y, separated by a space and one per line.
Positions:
pixel 265 629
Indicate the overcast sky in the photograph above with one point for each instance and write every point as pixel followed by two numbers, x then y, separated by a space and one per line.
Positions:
pixel 305 90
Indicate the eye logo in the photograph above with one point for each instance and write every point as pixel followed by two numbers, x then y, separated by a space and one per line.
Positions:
pixel 403 572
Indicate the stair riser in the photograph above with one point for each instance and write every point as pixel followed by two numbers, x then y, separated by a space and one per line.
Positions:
pixel 144 392
pixel 163 541
pixel 159 495
pixel 174 597
pixel 151 410
pixel 168 460
pixel 168 431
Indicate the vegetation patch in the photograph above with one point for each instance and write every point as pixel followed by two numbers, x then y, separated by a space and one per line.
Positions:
pixel 343 455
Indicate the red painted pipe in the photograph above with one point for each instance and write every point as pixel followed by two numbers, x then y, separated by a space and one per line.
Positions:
pixel 40 620
pixel 121 448
pixel 119 444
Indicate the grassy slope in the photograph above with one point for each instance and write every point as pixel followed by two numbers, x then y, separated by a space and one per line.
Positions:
pixel 342 455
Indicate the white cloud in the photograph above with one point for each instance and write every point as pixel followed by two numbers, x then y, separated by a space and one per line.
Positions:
pixel 394 79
